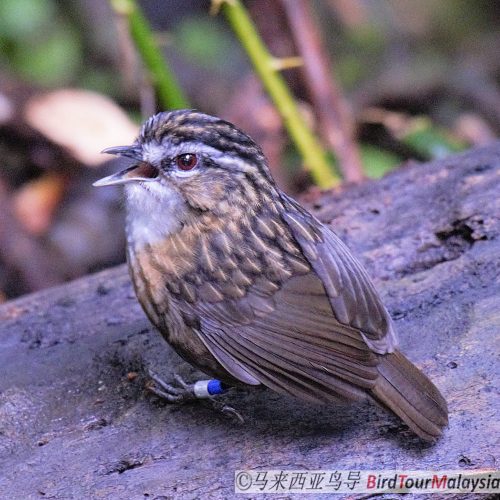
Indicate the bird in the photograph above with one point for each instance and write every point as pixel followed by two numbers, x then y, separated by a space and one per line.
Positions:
pixel 247 285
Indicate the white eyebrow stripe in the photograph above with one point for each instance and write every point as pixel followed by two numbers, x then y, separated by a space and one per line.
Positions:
pixel 154 152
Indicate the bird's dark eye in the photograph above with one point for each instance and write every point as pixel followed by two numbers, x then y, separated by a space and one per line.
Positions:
pixel 186 161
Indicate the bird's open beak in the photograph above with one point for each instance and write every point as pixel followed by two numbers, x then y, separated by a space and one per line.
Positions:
pixel 140 172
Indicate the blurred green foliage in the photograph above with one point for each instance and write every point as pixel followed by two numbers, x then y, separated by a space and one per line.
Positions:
pixel 204 41
pixel 38 43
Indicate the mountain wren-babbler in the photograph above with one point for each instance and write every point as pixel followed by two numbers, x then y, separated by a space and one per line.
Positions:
pixel 248 286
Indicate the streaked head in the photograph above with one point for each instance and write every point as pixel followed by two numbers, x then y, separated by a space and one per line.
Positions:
pixel 195 158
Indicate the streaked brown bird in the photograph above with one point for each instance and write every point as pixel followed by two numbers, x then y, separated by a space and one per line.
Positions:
pixel 248 286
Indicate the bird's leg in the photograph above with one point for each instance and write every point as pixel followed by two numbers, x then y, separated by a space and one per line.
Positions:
pixel 183 391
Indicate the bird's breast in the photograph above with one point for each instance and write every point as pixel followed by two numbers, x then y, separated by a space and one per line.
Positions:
pixel 162 277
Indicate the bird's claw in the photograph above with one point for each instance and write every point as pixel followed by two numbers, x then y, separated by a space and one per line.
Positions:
pixel 170 392
pixel 230 412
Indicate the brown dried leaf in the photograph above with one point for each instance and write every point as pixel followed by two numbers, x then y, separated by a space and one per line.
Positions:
pixel 36 201
pixel 473 128
pixel 80 121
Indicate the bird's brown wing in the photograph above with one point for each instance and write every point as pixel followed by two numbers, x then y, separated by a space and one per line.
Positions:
pixel 290 342
pixel 310 337
pixel 353 297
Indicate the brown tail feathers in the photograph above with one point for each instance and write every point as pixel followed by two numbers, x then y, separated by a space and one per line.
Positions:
pixel 405 390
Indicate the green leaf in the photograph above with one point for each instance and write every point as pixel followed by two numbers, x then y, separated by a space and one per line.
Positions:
pixel 377 162
pixel 431 141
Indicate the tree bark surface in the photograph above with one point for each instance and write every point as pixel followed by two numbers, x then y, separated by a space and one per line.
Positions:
pixel 76 420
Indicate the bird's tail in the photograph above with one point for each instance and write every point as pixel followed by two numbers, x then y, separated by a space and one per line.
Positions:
pixel 405 390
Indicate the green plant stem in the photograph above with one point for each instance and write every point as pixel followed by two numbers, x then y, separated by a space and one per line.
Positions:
pixel 170 94
pixel 313 154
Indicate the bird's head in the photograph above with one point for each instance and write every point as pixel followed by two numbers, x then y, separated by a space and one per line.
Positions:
pixel 186 161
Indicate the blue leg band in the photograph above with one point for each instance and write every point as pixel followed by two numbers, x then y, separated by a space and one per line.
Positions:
pixel 215 387
pixel 206 388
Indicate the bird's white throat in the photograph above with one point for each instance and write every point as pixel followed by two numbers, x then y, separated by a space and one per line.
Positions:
pixel 154 211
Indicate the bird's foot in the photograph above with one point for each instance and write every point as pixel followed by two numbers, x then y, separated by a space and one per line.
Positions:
pixel 182 392
pixel 172 393
pixel 227 410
